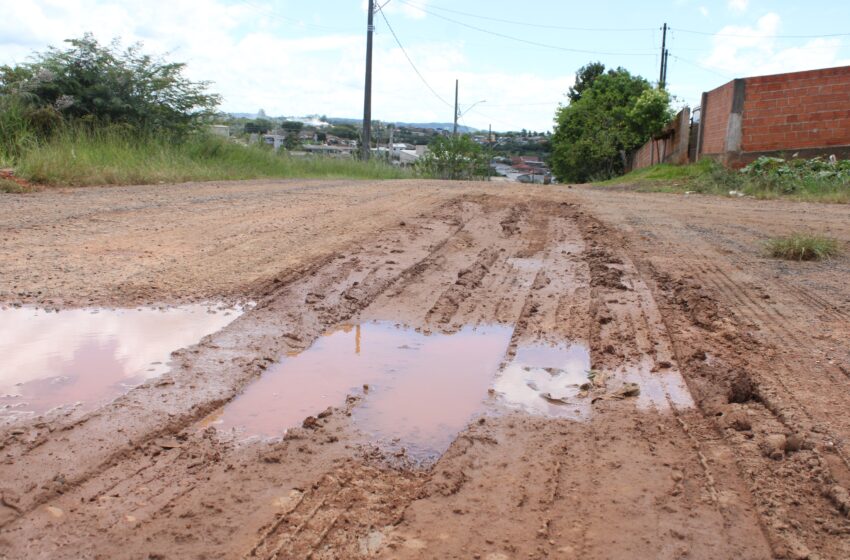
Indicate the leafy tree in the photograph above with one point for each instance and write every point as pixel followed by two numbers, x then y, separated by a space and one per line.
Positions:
pixel 103 84
pixel 585 77
pixel 259 126
pixel 455 157
pixel 347 131
pixel 613 116
pixel 292 126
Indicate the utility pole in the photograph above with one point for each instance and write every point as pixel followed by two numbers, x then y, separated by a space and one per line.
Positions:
pixel 454 130
pixel 367 94
pixel 662 78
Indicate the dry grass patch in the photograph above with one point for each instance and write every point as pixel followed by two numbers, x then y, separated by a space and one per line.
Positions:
pixel 802 247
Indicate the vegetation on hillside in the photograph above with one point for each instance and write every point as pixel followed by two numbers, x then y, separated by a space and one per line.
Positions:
pixel 96 114
pixel 815 179
pixel 609 115
pixel 455 157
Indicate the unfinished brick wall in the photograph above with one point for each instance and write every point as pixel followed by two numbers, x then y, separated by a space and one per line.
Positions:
pixel 715 109
pixel 807 113
pixel 797 111
pixel 671 146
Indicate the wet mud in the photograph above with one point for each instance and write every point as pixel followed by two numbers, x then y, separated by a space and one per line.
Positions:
pixel 493 374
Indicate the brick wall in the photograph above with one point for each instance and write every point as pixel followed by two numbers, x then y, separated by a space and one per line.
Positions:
pixel 645 156
pixel 714 115
pixel 671 146
pixel 797 111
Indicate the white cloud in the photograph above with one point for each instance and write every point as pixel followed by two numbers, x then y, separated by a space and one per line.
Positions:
pixel 703 11
pixel 257 58
pixel 748 51
pixel 739 5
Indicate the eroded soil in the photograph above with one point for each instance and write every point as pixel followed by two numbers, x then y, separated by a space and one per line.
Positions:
pixel 734 446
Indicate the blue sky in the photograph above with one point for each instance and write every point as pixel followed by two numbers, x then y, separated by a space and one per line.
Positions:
pixel 298 57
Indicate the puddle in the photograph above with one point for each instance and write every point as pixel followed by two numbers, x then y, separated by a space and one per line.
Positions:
pixel 659 389
pixel 89 356
pixel 538 369
pixel 423 389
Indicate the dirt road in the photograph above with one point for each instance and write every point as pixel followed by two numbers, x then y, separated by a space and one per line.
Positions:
pixel 709 418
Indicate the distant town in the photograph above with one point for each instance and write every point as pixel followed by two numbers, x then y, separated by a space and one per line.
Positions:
pixel 519 156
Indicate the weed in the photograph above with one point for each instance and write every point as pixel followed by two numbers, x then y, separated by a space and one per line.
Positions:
pixel 9 186
pixel 117 156
pixel 802 247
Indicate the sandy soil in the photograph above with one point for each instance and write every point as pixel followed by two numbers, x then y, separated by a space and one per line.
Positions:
pixel 751 461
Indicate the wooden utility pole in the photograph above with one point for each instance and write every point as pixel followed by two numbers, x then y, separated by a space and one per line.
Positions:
pixel 367 93
pixel 454 130
pixel 662 78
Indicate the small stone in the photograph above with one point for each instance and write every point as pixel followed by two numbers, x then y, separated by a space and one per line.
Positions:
pixel 55 511
pixel 310 422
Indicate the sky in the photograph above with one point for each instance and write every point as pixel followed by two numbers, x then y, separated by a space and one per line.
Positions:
pixel 514 60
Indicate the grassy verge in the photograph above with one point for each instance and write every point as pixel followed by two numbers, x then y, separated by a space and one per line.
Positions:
pixel 708 177
pixel 115 157
pixel 802 247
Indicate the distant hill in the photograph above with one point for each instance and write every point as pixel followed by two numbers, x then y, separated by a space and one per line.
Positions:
pixel 343 120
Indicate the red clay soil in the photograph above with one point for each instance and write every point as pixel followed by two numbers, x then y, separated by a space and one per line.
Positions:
pixel 713 423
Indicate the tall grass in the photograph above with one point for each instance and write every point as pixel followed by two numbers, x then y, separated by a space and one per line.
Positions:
pixel 16 134
pixel 802 247
pixel 709 177
pixel 80 156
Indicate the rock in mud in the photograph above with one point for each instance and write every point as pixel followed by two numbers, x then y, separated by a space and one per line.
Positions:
pixel 738 420
pixel 774 446
pixel 310 422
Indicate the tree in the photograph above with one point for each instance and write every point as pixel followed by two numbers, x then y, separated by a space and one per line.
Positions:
pixel 103 84
pixel 613 116
pixel 259 126
pixel 455 157
pixel 585 77
pixel 292 126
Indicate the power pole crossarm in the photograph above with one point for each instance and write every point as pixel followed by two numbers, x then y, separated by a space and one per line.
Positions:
pixel 367 93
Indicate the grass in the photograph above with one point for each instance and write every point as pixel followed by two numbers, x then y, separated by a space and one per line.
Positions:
pixel 708 177
pixel 802 247
pixel 8 186
pixel 114 156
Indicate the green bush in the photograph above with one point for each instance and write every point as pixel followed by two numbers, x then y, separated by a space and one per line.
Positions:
pixel 802 247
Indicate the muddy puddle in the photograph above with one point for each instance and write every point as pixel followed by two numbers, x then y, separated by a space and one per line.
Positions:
pixel 545 379
pixel 84 357
pixel 419 389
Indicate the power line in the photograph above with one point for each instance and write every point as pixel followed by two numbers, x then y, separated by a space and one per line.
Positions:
pixel 538 25
pixel 412 65
pixel 746 36
pixel 293 21
pixel 520 40
pixel 701 67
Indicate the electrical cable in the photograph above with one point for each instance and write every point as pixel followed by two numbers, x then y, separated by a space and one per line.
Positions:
pixel 521 40
pixel 409 60
pixel 525 24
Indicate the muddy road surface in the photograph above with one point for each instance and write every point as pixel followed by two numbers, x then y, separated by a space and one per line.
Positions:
pixel 424 370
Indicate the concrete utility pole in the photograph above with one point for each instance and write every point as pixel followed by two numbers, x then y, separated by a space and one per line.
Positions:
pixel 454 130
pixel 662 78
pixel 367 94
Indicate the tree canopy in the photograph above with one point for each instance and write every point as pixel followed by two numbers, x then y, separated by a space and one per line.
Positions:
pixel 104 84
pixel 613 114
pixel 455 157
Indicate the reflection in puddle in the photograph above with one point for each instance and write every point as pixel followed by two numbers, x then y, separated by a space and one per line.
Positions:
pixel 540 375
pixel 91 355
pixel 659 389
pixel 423 389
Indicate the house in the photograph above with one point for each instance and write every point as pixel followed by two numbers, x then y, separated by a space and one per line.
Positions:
pixel 275 140
pixel 220 130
